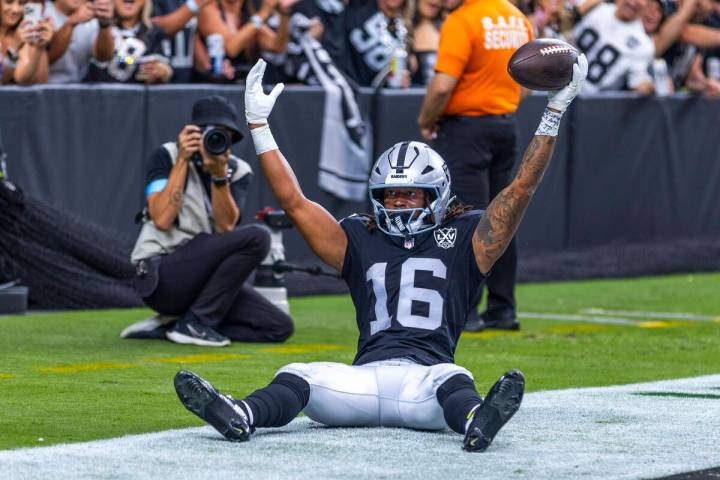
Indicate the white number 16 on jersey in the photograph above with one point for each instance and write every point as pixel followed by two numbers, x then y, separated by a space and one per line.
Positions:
pixel 408 293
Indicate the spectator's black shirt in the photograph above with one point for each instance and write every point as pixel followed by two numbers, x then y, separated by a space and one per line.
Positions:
pixel 411 303
pixel 180 48
pixel 293 66
pixel 371 40
pixel 711 56
pixel 332 15
pixel 159 165
pixel 679 56
pixel 131 45
pixel 426 68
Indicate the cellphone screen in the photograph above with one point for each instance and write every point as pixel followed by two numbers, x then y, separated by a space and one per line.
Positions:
pixel 32 12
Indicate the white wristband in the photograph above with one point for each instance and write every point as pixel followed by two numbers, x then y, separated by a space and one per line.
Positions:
pixel 263 139
pixel 549 124
pixel 193 6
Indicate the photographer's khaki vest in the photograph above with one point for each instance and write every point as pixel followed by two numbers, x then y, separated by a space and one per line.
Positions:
pixel 193 218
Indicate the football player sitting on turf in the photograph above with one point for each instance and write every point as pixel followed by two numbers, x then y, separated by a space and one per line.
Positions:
pixel 413 269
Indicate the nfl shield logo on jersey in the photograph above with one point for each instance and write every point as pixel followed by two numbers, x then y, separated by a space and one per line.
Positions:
pixel 445 237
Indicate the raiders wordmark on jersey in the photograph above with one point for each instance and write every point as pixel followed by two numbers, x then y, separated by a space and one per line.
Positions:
pixel 619 53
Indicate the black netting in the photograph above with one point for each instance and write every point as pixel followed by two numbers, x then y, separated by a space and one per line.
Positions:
pixel 622 260
pixel 67 263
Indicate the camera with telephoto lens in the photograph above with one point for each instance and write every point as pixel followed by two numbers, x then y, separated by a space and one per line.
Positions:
pixel 216 140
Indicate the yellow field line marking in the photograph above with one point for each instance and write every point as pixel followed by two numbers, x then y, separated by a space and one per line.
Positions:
pixel 85 367
pixel 661 324
pixel 179 359
pixel 309 348
pixel 635 321
pixel 490 334
pixel 567 317
pixel 200 358
pixel 652 315
pixel 580 328
pixel 577 328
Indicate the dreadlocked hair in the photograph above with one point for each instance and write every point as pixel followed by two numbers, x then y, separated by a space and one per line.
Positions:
pixel 455 209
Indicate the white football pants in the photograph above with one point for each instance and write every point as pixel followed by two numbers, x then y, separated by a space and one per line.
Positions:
pixel 390 393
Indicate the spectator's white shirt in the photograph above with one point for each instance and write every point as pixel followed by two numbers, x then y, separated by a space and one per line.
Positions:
pixel 73 65
pixel 619 53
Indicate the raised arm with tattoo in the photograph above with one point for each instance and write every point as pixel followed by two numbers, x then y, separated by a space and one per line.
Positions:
pixel 502 217
pixel 319 229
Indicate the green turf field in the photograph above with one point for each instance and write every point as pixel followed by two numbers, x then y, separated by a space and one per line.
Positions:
pixel 68 377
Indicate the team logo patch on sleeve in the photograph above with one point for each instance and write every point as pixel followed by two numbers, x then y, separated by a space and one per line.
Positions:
pixel 445 237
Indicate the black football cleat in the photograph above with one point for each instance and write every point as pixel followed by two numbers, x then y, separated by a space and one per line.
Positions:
pixel 506 320
pixel 501 403
pixel 219 410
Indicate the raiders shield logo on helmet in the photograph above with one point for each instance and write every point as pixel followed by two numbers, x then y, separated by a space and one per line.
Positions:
pixel 445 237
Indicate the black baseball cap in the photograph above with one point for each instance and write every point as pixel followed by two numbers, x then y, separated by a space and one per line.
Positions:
pixel 217 110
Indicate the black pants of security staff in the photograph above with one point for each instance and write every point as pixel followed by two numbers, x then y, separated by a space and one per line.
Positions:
pixel 207 277
pixel 480 153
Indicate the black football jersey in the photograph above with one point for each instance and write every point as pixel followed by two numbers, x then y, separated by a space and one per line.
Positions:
pixel 371 41
pixel 179 49
pixel 411 302
pixel 131 45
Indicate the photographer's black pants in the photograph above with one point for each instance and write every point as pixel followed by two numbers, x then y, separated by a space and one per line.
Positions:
pixel 480 153
pixel 206 277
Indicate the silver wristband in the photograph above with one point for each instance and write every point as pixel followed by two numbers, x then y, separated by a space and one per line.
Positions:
pixel 549 123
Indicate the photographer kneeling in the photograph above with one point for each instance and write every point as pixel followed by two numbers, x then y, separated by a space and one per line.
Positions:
pixel 191 261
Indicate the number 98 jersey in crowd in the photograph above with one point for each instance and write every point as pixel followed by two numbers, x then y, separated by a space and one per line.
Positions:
pixel 411 295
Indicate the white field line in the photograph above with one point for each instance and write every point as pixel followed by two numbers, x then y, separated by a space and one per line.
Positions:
pixel 603 433
pixel 579 318
pixel 653 315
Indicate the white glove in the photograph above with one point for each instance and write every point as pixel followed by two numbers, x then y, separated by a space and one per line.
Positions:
pixel 258 105
pixel 560 100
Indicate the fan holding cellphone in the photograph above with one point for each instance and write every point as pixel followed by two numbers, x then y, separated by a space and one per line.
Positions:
pixel 33 13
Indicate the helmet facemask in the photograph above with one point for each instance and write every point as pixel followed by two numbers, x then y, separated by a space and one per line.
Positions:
pixel 405 222
pixel 410 165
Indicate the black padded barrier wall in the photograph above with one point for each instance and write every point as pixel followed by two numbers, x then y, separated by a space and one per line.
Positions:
pixel 625 168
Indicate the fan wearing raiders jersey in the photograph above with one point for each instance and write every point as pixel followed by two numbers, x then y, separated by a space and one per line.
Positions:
pixel 137 56
pixel 375 30
pixel 413 267
pixel 619 51
pixel 177 19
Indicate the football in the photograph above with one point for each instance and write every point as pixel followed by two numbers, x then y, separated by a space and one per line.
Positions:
pixel 543 64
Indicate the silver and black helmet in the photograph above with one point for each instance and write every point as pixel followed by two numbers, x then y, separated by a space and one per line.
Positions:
pixel 410 165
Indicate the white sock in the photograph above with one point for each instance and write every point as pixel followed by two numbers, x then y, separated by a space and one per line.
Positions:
pixel 471 415
pixel 248 411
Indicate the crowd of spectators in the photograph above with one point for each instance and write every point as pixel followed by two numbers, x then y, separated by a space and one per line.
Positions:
pixel 649 46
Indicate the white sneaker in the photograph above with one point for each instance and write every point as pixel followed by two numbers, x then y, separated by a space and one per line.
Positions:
pixel 150 328
pixel 188 331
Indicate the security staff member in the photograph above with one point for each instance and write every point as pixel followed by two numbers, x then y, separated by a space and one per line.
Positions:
pixel 469 113
pixel 191 260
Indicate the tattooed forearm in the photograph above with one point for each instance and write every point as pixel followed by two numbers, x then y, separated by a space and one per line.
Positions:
pixel 498 225
pixel 535 161
pixel 502 217
pixel 176 197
